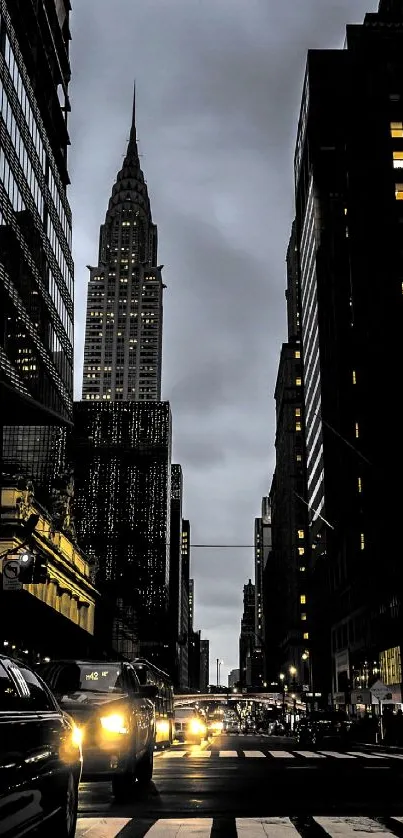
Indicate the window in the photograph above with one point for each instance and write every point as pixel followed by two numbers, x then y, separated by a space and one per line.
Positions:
pixel 354 377
pixel 299 456
pixel 362 541
pixel 298 426
pixel 306 635
pixel 359 485
pixel 398 159
pixel 399 191
pixel 297 353
pixel 302 569
pixel 303 617
pixel 301 534
pixel 38 697
pixel 357 430
pixel 298 411
pixel 9 698
pixel 396 129
pixel 301 551
pixel 302 599
pixel 298 382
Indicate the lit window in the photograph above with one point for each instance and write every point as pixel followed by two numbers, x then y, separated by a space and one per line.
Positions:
pixel 354 377
pixel 298 411
pixel 298 382
pixel 301 551
pixel 299 456
pixel 303 617
pixel 357 430
pixel 359 485
pixel 297 353
pixel 306 635
pixel 298 426
pixel 396 129
pixel 399 191
pixel 302 599
pixel 302 569
pixel 398 159
pixel 301 534
pixel 362 541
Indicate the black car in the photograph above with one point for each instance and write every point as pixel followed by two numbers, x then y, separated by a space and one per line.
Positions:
pixel 115 716
pixel 40 757
pixel 323 725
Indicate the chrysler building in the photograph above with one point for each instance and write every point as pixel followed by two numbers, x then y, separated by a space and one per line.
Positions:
pixel 123 337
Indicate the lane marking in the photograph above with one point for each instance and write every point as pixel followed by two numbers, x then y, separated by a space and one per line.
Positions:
pixel 310 754
pixel 176 828
pixel 391 756
pixel 228 753
pixel 281 755
pixel 351 827
pixel 337 755
pixel 197 754
pixel 252 754
pixel 260 827
pixel 173 754
pixel 364 755
pixel 100 827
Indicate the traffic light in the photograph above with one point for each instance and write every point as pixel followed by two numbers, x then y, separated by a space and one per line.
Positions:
pixel 33 568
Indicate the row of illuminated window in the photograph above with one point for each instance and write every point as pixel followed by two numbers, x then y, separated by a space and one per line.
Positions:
pixel 8 180
pixel 61 307
pixel 21 151
pixel 35 133
pixel 60 258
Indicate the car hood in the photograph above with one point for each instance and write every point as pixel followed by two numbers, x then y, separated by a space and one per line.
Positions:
pixel 81 705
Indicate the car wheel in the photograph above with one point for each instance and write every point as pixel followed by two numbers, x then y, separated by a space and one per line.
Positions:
pixel 144 770
pixel 123 785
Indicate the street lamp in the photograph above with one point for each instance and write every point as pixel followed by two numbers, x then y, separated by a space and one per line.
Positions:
pixel 293 672
pixel 282 679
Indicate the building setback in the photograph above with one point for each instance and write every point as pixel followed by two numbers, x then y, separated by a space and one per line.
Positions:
pixel 349 216
pixel 123 335
pixel 122 453
pixel 36 267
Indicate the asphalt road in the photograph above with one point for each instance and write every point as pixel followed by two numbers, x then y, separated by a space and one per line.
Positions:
pixel 251 787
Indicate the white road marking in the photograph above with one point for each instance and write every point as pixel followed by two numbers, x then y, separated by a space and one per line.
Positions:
pixel 176 828
pixel 254 754
pixel 310 754
pixel 200 753
pixel 337 755
pixel 173 754
pixel 281 755
pixel 100 827
pixel 392 756
pixel 366 756
pixel 351 827
pixel 228 753
pixel 271 827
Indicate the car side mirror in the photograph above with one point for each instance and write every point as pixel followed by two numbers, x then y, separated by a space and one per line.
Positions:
pixel 148 691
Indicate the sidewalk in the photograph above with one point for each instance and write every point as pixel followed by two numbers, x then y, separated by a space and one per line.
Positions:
pixel 398 749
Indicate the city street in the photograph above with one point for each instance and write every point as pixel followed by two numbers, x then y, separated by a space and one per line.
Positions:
pixel 232 785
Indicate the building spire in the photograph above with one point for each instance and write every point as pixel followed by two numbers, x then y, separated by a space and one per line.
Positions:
pixel 133 135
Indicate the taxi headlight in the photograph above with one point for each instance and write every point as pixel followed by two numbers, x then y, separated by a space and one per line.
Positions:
pixel 77 736
pixel 217 726
pixel 162 726
pixel 197 727
pixel 114 723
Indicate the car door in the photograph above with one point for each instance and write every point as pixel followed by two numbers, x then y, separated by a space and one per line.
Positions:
pixel 43 729
pixel 19 804
pixel 141 707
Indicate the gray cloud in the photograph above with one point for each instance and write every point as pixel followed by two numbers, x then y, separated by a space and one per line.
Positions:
pixel 219 86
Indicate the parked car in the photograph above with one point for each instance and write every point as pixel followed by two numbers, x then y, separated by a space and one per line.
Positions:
pixel 231 726
pixel 40 757
pixel 322 725
pixel 115 715
pixel 189 725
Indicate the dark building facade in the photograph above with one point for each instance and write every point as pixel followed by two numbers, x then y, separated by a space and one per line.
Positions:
pixel 247 640
pixel 123 336
pixel 175 563
pixel 36 268
pixel 262 547
pixel 194 660
pixel 286 573
pixel 204 665
pixel 122 453
pixel 349 223
pixel 185 613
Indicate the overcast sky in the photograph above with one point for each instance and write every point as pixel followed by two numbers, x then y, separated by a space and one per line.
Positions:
pixel 218 92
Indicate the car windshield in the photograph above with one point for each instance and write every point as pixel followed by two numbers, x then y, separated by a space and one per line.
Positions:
pixel 74 677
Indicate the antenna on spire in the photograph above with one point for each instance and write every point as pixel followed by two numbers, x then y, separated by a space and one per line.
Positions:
pixel 133 125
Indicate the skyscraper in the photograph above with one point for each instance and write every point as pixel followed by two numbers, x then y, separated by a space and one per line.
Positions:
pixel 204 665
pixel 36 268
pixel 349 217
pixel 262 549
pixel 175 576
pixel 122 453
pixel 247 642
pixel 123 337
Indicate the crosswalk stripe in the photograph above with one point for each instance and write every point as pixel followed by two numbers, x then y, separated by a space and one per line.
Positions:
pixel 281 755
pixel 228 753
pixel 200 754
pixel 310 754
pixel 173 754
pixel 367 756
pixel 337 755
pixel 262 827
pixel 392 756
pixel 254 754
pixel 100 827
pixel 176 828
pixel 351 827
